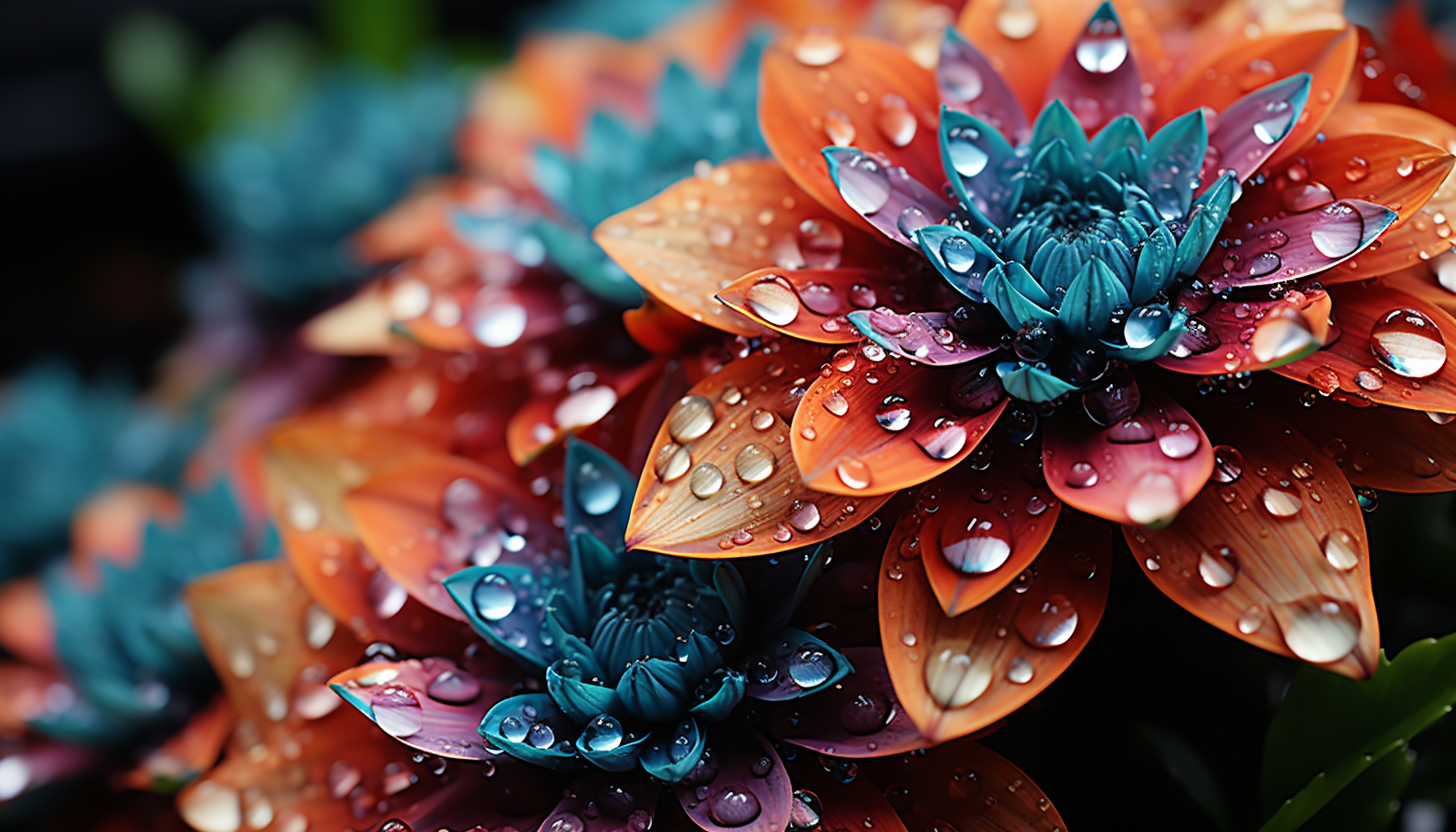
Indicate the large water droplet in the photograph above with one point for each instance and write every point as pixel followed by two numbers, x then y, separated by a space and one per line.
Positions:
pixel 1274 122
pixel 1146 325
pixel 1280 336
pixel 1281 503
pixel 944 440
pixel 863 184
pixel 958 254
pixel 955 680
pixel 1341 550
pixel 818 46
pixel 979 546
pixel 804 516
pixel 1019 671
pixel 1251 620
pixel 966 154
pixel 895 120
pixel 513 729
pixel 1180 441
pixel 773 302
pixel 821 244
pixel 705 480
pixel 1319 629
pixel 893 414
pixel 1338 231
pixel 1102 48
pixel 453 688
pixel 1228 464
pixel 603 733
pixel 806 813
pixel 494 597
pixel 1017 20
pixel 397 711
pixel 1218 568
pixel 498 323
pixel 1409 343
pixel 584 407
pixel 839 128
pixel 1082 475
pixel 754 463
pixel 853 473
pixel 811 666
pixel 960 80
pixel 733 808
pixel 1048 624
pixel 672 462
pixel 866 713
pixel 597 491
pixel 690 418
pixel 211 807
pixel 540 735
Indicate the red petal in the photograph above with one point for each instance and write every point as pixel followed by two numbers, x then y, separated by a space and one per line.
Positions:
pixel 633 799
pixel 1241 336
pixel 1099 95
pixel 1348 362
pixel 1394 171
pixel 838 438
pixel 1142 470
pixel 429 517
pixel 859 717
pixel 727 441
pixel 963 780
pixel 819 88
pixel 472 316
pixel 739 754
pixel 23 691
pixel 1408 245
pixel 432 705
pixel 994 535
pixel 957 675
pixel 43 762
pixel 1273 552
pixel 696 237
pixel 810 304
pixel 1424 282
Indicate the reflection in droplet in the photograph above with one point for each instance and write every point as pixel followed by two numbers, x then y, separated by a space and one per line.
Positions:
pixel 1341 550
pixel 1409 343
pixel 705 480
pixel 955 680
pixel 1218 568
pixel 1319 629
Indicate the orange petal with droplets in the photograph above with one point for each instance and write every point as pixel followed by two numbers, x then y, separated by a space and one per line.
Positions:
pixel 874 427
pixel 1226 344
pixel 427 518
pixel 691 241
pixel 1274 551
pixel 1412 244
pixel 1142 470
pixel 978 526
pixel 721 480
pixel 1426 281
pixel 1370 319
pixel 958 675
pixel 811 304
pixel 963 780
pixel 587 393
pixel 819 88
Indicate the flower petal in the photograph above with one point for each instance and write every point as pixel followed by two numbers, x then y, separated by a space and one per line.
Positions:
pixel 858 717
pixel 1294 246
pixel 1397 172
pixel 433 704
pixel 821 88
pixel 188 753
pixel 1236 336
pixel 475 316
pixel 1393 350
pixel 429 517
pixel 973 548
pixel 1100 77
pixel 828 794
pixel 954 781
pixel 632 799
pixel 874 427
pixel 811 304
pixel 698 236
pixel 1407 245
pixel 1254 127
pixel 740 785
pixel 792 664
pixel 920 337
pixel 958 675
pixel 887 196
pixel 532 729
pixel 1273 552
pixel 574 406
pixel 721 480
pixel 1142 470
pixel 1388 119
pixel 968 84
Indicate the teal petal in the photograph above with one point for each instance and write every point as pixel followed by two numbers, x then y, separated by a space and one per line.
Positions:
pixel 976 158
pixel 1056 163
pixel 609 745
pixel 698 654
pixel 575 253
pixel 1178 323
pixel 573 690
pixel 1025 382
pixel 962 258
pixel 1205 220
pixel 1173 162
pixel 654 690
pixel 497 602
pixel 718 705
pixel 672 752
pixel 792 664
pixel 530 727
pixel 1122 134
pixel 1016 308
pixel 1091 300
pixel 1057 122
pixel 1056 264
pixel 597 499
pixel 1155 263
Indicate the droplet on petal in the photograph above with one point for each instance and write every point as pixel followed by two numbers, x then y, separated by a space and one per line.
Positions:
pixel 1409 343
pixel 774 302
pixel 1319 629
pixel 1341 550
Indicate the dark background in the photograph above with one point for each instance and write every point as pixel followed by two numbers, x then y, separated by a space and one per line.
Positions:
pixel 96 219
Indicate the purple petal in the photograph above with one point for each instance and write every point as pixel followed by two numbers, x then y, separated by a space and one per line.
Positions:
pixel 1100 80
pixel 969 84
pixel 922 337
pixel 431 704
pixel 601 801
pixel 889 197
pixel 1294 246
pixel 739 785
pixel 859 717
pixel 1252 128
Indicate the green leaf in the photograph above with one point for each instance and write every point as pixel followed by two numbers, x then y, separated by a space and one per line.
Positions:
pixel 1331 729
pixel 386 32
pixel 151 62
pixel 1370 802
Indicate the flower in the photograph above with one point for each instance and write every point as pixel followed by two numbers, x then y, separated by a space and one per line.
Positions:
pixel 1010 337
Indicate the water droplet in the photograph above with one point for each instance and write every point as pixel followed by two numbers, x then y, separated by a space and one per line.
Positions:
pixel 1358 169
pixel 839 128
pixel 960 80
pixel 1153 498
pixel 866 713
pixel 772 301
pixel 1306 196
pixel 705 480
pixel 836 404
pixel 979 546
pixel 958 254
pixel 1180 441
pixel 811 667
pixel 1082 475
pixel 1341 550
pixel 1338 231
pixel 596 490
pixel 1019 671
pixel 1145 326
pixel 955 680
pixel 540 735
pixel 385 595
pixel 690 418
pixel 806 813
pixel 494 597
pixel 672 462
pixel 453 688
pixel 302 511
pixel 863 184
pixel 818 46
pixel 1408 343
pixel 754 463
pixel 733 808
pixel 966 154
pixel 584 407
pixel 497 323
pixel 1274 121
pixel 804 516
pixel 853 473
pixel 821 244
pixel 1251 620
pixel 912 219
pixel 1049 624
pixel 1228 463
pixel 1017 20
pixel 1102 47
pixel 397 711
pixel 512 729
pixel 1281 503
pixel 893 414
pixel 895 120
pixel 604 733
pixel 1281 335
pixel 1264 263
pixel 1319 629
pixel 1219 568
pixel 945 440
pixel 211 807
pixel 318 627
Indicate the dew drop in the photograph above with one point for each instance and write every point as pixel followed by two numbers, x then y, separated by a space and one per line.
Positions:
pixel 863 184
pixel 1319 629
pixel 497 324
pixel 1218 569
pixel 839 128
pixel 1180 442
pixel 1082 475
pixel 1017 20
pixel 1102 48
pixel 1341 550
pixel 705 480
pixel 494 597
pixel 690 418
pixel 958 254
pixel 804 516
pixel 895 120
pixel 397 711
pixel 754 463
pixel 893 414
pixel 1145 326
pixel 597 491
pixel 1281 503
pixel 774 302
pixel 1338 231
pixel 453 688
pixel 1049 624
pixel 211 807
pixel 1228 464
pixel 811 667
pixel 966 154
pixel 672 462
pixel 1251 620
pixel 853 473
pixel 818 46
pixel 1409 343
pixel 979 546
pixel 1274 121
pixel 1153 498
pixel 955 680
pixel 733 808
pixel 1019 671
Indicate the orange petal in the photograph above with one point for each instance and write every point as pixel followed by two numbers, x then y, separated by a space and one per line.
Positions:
pixel 1412 244
pixel 1274 551
pixel 1142 470
pixel 412 226
pixel 587 394
pixel 696 237
pixel 662 330
pixel 841 445
pixel 972 548
pixel 1225 348
pixel 1351 365
pixel 109 525
pixel 818 88
pixel 476 316
pixel 957 675
pixel 811 304
pixel 192 751
pixel 721 481
pixel 1327 55
pixel 27 629
pixel 427 518
pixel 1426 282
pixel 963 780
pixel 1365 117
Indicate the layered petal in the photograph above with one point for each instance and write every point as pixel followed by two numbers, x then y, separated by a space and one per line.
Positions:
pixel 721 479
pixel 1392 350
pixel 811 304
pixel 1142 470
pixel 871 424
pixel 739 785
pixel 958 675
pixel 691 241
pixel 1237 336
pixel 1099 78
pixel 1274 552
pixel 433 704
pixel 858 717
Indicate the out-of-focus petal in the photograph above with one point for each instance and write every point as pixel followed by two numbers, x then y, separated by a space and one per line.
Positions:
pixel 1274 551
pixel 1142 470
pixel 958 675
pixel 870 426
pixel 588 394
pixel 27 630
pixel 190 752
pixel 721 480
